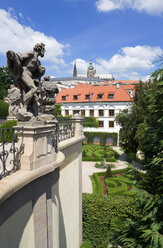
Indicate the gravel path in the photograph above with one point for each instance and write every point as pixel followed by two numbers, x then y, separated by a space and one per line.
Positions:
pixel 88 168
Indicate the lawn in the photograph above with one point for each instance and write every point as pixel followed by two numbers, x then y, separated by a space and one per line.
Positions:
pixel 92 152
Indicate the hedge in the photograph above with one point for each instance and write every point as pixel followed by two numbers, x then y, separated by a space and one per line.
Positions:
pixel 86 244
pixel 103 136
pixel 8 125
pixel 3 109
pixel 103 215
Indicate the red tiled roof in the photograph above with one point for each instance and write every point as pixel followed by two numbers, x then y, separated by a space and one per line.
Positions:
pixel 120 95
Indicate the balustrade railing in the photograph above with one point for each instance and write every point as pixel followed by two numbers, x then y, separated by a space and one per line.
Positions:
pixel 65 128
pixel 9 151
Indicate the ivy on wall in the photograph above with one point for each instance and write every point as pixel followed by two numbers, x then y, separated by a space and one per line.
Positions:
pixel 103 136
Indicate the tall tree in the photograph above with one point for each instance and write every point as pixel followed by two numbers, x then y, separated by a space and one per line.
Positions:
pixel 130 120
pixel 6 79
pixel 148 231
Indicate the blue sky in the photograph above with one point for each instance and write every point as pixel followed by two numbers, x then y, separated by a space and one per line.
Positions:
pixel 123 37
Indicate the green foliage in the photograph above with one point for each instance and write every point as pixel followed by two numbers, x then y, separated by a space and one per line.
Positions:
pixel 117 185
pixel 8 125
pixel 103 215
pixel 90 122
pixel 108 172
pixel 148 230
pixel 130 120
pixel 103 136
pixel 86 244
pixel 6 79
pixel 96 153
pixel 150 132
pixel 3 108
pixel 57 111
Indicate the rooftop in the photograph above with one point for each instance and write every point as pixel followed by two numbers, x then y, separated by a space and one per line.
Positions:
pixel 97 93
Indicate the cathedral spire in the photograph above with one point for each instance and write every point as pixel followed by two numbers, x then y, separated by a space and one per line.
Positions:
pixel 75 70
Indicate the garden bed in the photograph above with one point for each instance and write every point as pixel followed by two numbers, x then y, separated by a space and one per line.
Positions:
pixel 97 153
pixel 119 184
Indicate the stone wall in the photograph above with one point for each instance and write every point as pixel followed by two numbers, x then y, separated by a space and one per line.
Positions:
pixel 41 207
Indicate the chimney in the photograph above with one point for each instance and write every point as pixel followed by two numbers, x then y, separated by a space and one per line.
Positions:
pixel 117 86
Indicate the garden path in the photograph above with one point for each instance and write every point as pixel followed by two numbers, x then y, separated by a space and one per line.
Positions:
pixel 88 168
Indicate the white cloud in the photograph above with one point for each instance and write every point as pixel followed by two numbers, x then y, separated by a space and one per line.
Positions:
pixel 129 63
pixel 154 7
pixel 19 38
pixel 81 65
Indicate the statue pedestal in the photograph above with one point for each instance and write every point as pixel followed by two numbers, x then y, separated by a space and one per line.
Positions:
pixel 39 144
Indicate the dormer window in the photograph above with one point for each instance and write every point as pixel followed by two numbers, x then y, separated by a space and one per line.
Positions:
pixel 111 96
pixel 75 97
pixel 88 97
pixel 100 96
pixel 64 98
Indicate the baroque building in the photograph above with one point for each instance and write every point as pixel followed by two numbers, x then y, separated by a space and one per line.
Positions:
pixel 103 101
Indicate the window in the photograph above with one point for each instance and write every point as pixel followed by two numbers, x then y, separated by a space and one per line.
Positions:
pixel 64 98
pixel 75 97
pixel 101 112
pixel 111 123
pixel 111 112
pixel 82 112
pixel 66 112
pixel 88 97
pixel 101 124
pixel 76 112
pixel 100 96
pixel 110 95
pixel 91 113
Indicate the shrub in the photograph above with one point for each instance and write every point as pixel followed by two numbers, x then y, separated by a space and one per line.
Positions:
pixel 8 133
pixel 103 215
pixel 3 109
pixel 86 244
pixel 108 172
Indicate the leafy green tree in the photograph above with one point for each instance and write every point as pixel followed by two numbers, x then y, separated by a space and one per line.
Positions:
pixel 90 122
pixel 57 111
pixel 148 230
pixel 6 79
pixel 129 120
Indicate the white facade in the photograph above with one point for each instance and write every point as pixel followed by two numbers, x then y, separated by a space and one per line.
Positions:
pixel 101 112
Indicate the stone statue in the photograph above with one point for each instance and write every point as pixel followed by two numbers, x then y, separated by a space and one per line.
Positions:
pixel 47 96
pixel 28 71
pixel 13 98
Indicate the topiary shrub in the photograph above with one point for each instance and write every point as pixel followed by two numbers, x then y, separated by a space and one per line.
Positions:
pixel 3 109
pixel 108 172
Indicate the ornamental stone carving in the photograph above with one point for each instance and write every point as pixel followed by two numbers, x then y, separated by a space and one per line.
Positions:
pixel 30 98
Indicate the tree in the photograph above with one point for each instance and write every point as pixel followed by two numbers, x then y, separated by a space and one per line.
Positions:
pixel 57 111
pixel 148 230
pixel 129 120
pixel 90 122
pixel 6 79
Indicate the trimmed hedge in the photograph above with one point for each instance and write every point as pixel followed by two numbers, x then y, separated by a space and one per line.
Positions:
pixel 103 215
pixel 3 109
pixel 122 181
pixel 97 153
pixel 103 136
pixel 86 244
